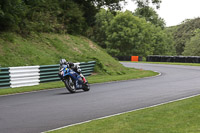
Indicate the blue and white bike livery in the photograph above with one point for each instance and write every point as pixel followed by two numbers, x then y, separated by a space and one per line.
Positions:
pixel 73 80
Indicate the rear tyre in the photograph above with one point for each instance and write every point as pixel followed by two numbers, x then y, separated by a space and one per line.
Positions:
pixel 70 85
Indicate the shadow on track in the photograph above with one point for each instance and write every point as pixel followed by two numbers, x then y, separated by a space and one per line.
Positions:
pixel 66 93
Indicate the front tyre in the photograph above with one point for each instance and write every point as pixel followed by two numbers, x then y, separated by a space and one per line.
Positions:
pixel 86 87
pixel 70 85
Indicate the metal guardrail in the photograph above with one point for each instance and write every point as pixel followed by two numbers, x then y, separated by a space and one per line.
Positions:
pixel 181 59
pixel 24 76
pixel 4 77
pixel 49 73
pixel 87 67
pixel 11 77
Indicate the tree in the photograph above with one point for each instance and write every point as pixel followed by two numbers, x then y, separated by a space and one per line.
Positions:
pixel 145 3
pixel 129 35
pixel 184 32
pixel 91 7
pixel 163 42
pixel 111 4
pixel 41 16
pixel 102 21
pixel 150 15
pixel 11 14
pixel 72 17
pixel 192 47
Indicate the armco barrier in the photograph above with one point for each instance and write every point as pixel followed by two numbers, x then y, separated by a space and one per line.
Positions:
pixel 24 76
pixel 12 77
pixel 182 59
pixel 49 73
pixel 4 77
pixel 87 68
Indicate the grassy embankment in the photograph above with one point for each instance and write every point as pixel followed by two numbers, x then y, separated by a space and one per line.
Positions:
pixel 45 49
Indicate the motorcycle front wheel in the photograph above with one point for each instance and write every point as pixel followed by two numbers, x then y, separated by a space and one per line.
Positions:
pixel 70 85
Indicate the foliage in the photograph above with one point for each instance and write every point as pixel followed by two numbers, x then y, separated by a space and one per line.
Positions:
pixel 145 3
pixel 150 15
pixel 60 16
pixel 183 33
pixel 91 7
pixel 163 42
pixel 11 14
pixel 72 17
pixel 119 33
pixel 111 4
pixel 129 35
pixel 40 16
pixel 103 19
pixel 192 47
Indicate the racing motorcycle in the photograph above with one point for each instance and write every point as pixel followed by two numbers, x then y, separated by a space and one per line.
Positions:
pixel 73 81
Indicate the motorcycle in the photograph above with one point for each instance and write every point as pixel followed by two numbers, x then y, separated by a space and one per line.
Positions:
pixel 73 80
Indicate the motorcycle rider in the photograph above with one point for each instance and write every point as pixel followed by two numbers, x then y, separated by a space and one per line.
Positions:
pixel 76 68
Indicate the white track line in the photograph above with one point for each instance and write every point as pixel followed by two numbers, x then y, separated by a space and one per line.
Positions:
pixel 122 113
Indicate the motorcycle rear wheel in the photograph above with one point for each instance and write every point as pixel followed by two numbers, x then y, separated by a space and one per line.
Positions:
pixel 70 85
pixel 86 87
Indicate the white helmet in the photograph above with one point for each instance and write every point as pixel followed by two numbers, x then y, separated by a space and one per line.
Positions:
pixel 78 68
pixel 63 62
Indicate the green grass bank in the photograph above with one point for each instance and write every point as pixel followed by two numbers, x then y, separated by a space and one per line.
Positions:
pixel 48 49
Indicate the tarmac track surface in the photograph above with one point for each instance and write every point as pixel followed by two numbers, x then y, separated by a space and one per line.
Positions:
pixel 45 110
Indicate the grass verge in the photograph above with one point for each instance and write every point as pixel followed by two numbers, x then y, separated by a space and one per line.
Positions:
pixel 134 74
pixel 177 117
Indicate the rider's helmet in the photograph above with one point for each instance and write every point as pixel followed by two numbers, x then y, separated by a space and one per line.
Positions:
pixel 78 68
pixel 63 62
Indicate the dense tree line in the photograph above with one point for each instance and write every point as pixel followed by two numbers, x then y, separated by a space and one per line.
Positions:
pixel 120 33
pixel 142 32
pixel 184 36
pixel 71 16
pixel 125 34
pixel 192 47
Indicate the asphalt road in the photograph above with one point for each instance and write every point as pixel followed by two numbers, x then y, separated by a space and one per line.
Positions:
pixel 45 110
